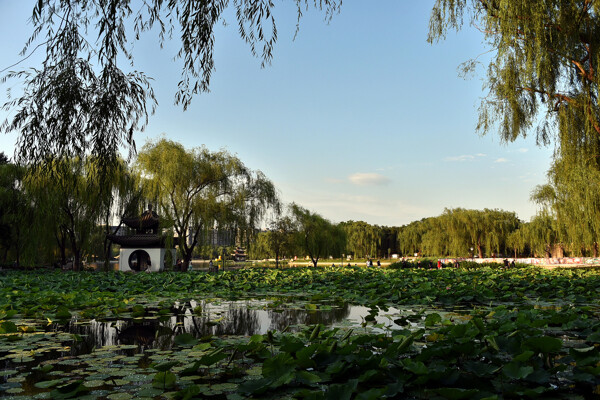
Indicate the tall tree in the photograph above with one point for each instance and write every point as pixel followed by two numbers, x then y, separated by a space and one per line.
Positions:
pixel 281 237
pixel 409 237
pixel 542 234
pixel 81 99
pixel 317 236
pixel 260 246
pixel 198 189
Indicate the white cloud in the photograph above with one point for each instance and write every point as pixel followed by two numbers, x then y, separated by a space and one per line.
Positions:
pixel 522 150
pixel 501 160
pixel 464 157
pixel 366 178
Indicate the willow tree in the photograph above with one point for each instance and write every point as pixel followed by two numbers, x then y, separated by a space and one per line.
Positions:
pixel 543 73
pixel 315 235
pixel 481 229
pixel 198 189
pixel 518 240
pixel 362 239
pixel 542 235
pixel 281 237
pixel 70 201
pixel 409 237
pixel 543 63
pixel 18 239
pixel 88 97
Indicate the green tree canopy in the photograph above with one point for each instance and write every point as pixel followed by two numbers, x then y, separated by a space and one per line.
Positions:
pixel 362 239
pixel 544 59
pixel 71 201
pixel 317 236
pixel 281 237
pixel 457 230
pixel 198 189
pixel 16 214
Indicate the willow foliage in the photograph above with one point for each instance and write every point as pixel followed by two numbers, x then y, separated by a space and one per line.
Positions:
pixel 458 230
pixel 197 189
pixel 545 58
pixel 362 239
pixel 315 235
pixel 543 73
pixel 87 96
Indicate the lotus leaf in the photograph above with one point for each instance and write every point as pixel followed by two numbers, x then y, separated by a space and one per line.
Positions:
pixel 164 380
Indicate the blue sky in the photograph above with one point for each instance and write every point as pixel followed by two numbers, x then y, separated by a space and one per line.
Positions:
pixel 358 119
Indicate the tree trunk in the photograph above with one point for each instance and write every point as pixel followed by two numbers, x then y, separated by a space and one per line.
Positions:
pixel 63 253
pixel 188 251
pixel 480 251
pixel 277 260
pixel 76 251
pixel 107 254
pixel 595 249
pixel 314 261
pixel 187 258
pixel 62 246
pixel 18 248
pixel 76 259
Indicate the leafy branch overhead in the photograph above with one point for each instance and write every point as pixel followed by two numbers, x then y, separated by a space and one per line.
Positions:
pixel 81 99
pixel 545 59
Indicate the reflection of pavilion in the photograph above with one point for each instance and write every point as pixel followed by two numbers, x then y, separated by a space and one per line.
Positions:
pixel 145 250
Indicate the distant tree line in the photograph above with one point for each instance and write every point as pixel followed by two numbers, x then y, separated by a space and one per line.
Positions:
pixel 486 233
pixel 356 239
pixel 455 233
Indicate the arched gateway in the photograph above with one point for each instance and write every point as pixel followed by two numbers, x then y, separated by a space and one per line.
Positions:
pixel 145 250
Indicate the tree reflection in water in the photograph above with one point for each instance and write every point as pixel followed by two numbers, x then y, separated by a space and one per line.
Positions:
pixel 280 319
pixel 216 319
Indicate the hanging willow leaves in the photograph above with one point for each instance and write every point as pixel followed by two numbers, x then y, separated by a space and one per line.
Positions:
pixel 81 100
pixel 543 72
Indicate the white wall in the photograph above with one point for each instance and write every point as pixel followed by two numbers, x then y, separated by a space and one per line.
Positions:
pixel 157 258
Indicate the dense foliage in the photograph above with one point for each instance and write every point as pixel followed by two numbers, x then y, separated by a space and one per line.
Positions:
pixel 61 214
pixel 460 232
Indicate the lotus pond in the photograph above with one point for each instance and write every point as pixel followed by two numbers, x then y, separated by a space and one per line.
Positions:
pixel 323 333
